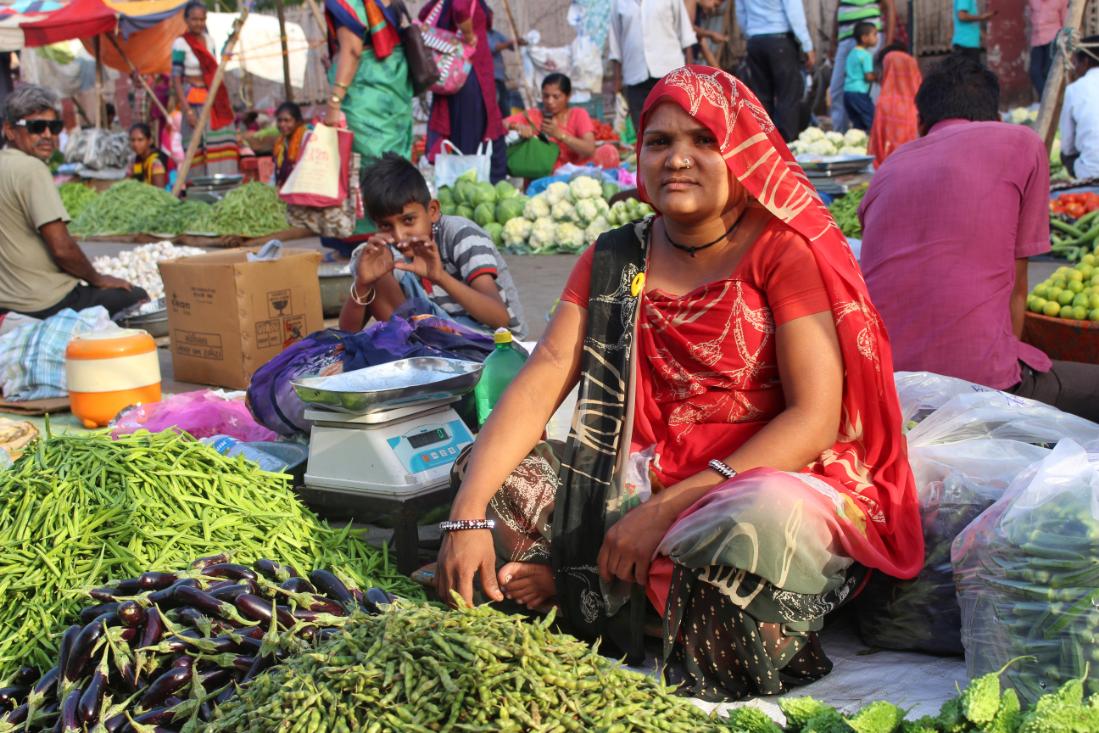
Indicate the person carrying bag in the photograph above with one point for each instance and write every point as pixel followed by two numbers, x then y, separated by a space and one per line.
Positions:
pixel 534 157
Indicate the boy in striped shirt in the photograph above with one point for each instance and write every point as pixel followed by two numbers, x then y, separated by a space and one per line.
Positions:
pixel 447 261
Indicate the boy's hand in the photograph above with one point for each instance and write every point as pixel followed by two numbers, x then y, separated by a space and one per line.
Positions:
pixel 375 261
pixel 423 259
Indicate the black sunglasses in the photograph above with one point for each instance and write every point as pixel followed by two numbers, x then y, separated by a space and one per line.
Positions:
pixel 37 127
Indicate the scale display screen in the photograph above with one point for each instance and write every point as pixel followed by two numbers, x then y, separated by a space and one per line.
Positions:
pixel 427 438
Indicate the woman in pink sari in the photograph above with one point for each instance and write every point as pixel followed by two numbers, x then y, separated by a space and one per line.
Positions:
pixel 729 361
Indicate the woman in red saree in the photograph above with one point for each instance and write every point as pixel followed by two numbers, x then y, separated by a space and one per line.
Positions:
pixel 895 119
pixel 730 361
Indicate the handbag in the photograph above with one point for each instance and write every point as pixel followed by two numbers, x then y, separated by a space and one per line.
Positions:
pixel 534 157
pixel 422 69
pixel 320 178
pixel 450 165
pixel 452 57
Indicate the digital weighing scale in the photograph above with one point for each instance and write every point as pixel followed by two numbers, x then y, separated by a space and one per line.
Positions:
pixel 384 440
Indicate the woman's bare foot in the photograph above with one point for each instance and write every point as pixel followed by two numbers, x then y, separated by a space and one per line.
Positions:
pixel 528 584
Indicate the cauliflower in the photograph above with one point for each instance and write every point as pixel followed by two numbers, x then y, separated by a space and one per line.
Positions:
pixel 563 211
pixel 596 228
pixel 834 137
pixel 542 233
pixel 811 134
pixel 821 147
pixel 516 232
pixel 854 137
pixel 569 237
pixel 556 192
pixel 587 210
pixel 585 187
pixel 537 208
pixel 799 147
pixel 852 150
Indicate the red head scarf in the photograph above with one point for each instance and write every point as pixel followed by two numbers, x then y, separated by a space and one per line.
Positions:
pixel 870 457
pixel 895 119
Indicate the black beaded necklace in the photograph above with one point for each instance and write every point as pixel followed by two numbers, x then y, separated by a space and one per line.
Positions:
pixel 691 250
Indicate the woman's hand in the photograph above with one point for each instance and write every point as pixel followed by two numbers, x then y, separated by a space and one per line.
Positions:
pixel 423 259
pixel 375 261
pixel 462 557
pixel 629 545
pixel 333 116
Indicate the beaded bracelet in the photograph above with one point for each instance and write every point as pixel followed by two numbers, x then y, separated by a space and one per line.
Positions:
pixel 460 525
pixel 722 468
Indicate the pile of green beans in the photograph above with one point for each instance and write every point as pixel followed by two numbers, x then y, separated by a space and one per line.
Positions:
pixel 76 197
pixel 253 210
pixel 77 511
pixel 424 668
pixel 124 208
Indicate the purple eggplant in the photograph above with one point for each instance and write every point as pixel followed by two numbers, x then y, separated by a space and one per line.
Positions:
pixel 298 585
pixel 106 594
pixel 163 686
pixel 116 724
pixel 91 613
pixel 165 597
pixel 92 699
pixel 331 586
pixel 154 628
pixel 254 607
pixel 204 562
pixel 156 581
pixel 17 716
pixel 243 662
pixel 132 614
pixel 212 679
pixel 374 598
pixel 275 571
pixel 230 570
pixel 26 676
pixel 205 711
pixel 12 697
pixel 321 604
pixel 258 666
pixel 183 661
pixel 232 592
pixel 46 686
pixel 70 712
pixel 204 602
pixel 67 640
pixel 81 651
pixel 160 714
pixel 128 587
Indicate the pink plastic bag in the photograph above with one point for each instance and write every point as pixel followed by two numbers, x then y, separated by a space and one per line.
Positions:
pixel 202 413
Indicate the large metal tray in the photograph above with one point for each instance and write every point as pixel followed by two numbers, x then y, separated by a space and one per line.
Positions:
pixel 397 384
pixel 837 164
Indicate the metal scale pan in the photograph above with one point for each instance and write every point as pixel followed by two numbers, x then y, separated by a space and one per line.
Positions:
pixel 400 383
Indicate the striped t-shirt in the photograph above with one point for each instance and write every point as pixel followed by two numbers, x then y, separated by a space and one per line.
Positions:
pixel 853 12
pixel 467 253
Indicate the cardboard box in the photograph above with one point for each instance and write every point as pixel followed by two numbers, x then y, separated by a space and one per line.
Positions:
pixel 227 316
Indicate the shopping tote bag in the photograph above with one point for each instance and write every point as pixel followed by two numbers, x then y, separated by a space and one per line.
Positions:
pixel 450 165
pixel 320 178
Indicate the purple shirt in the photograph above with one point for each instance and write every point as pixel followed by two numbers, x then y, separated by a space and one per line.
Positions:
pixel 944 221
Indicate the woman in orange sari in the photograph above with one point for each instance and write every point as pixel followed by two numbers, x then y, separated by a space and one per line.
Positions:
pixel 895 119
pixel 729 361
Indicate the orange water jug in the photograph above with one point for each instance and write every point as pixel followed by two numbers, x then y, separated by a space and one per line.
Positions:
pixel 108 371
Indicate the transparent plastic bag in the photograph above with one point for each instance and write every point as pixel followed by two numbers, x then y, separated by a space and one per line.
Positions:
pixel 921 393
pixel 203 413
pixel 956 482
pixel 993 414
pixel 1027 573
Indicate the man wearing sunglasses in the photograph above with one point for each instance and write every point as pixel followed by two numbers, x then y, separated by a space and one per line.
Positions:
pixel 41 266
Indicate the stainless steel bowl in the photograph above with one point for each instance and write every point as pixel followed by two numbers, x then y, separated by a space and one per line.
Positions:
pixel 386 386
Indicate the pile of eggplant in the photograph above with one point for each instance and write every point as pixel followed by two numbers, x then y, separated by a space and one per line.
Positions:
pixel 157 653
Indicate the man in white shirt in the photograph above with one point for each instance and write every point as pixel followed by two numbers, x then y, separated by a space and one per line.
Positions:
pixel 775 29
pixel 1080 114
pixel 648 39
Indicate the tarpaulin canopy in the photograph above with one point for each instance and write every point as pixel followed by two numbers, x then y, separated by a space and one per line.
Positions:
pixel 78 19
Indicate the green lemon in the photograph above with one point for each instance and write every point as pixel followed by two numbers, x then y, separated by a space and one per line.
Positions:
pixel 1051 308
pixel 1059 282
pixel 1085 270
pixel 1032 303
pixel 1074 275
pixel 1079 313
pixel 1075 286
pixel 1093 300
pixel 1081 300
pixel 1042 290
pixel 1065 297
pixel 1088 259
pixel 1093 314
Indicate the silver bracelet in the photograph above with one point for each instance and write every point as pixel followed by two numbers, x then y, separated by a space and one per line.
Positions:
pixel 722 468
pixel 460 525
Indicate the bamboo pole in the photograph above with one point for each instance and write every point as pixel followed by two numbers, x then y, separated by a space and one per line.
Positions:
pixel 140 77
pixel 98 84
pixel 204 117
pixel 287 86
pixel 1054 92
pixel 525 87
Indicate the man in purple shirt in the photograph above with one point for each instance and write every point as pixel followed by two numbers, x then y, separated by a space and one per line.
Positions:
pixel 948 224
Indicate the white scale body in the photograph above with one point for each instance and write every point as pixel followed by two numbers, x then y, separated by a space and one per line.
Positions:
pixel 395 454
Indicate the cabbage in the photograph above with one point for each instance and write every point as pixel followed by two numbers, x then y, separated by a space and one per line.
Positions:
pixel 509 209
pixel 537 208
pixel 587 210
pixel 855 137
pixel 609 190
pixel 542 234
pixel 556 192
pixel 448 208
pixel 496 231
pixel 569 237
pixel 516 232
pixel 485 194
pixel 484 214
pixel 470 175
pixel 505 190
pixel 563 211
pixel 585 187
pixel 446 195
pixel 619 214
pixel 466 212
pixel 465 192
